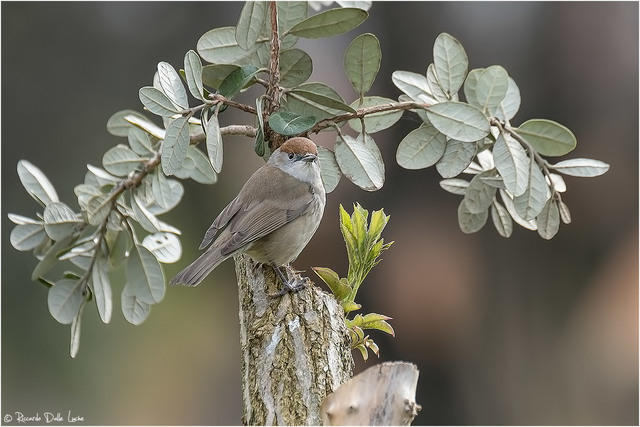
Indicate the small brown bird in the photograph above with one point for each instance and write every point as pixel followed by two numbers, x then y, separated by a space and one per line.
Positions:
pixel 272 218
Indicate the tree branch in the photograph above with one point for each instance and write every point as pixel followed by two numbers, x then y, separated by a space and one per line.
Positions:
pixel 234 104
pixel 273 84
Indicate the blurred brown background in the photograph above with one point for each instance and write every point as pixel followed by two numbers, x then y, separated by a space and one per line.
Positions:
pixel 518 331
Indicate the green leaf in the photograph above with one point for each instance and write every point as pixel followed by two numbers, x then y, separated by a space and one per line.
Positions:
pixel 145 276
pixel 174 147
pixel 339 287
pixel 491 87
pixel 74 345
pixel 157 102
pixel 493 181
pixel 329 23
pixel 329 169
pixel 102 288
pixel 360 161
pixel 147 220
pixel 421 148
pixel 414 85
pixel 581 167
pixel 377 121
pixel 435 87
pixel 164 246
pixel 120 160
pixel 59 220
pixel 501 219
pixel 119 249
pixel 565 214
pixel 36 183
pixel 531 202
pixel 214 75
pixel 529 224
pixel 362 62
pixel 377 321
pixel 295 67
pixel 459 121
pixel 513 164
pixel 471 222
pixel 547 137
pixel 323 100
pixel 118 126
pixel 219 46
pixel 140 142
pixel 172 86
pixel 250 23
pixel 202 171
pixel 64 300
pixel 236 80
pixel 349 306
pixel 193 74
pixel 479 195
pixel 134 310
pixel 98 208
pixel 470 85
pixel 166 192
pixel 451 63
pixel 456 158
pixel 510 103
pixel 548 220
pixel 306 107
pixel 214 143
pixel 50 259
pixel 25 237
pixel 287 123
pixel 84 192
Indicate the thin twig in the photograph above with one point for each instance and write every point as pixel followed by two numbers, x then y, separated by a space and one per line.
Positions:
pixel 244 130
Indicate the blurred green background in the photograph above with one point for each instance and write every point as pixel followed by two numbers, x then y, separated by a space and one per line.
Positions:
pixel 518 331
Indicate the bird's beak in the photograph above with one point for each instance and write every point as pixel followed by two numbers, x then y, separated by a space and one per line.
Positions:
pixel 309 158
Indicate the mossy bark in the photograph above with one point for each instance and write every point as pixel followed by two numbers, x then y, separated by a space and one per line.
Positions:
pixel 295 348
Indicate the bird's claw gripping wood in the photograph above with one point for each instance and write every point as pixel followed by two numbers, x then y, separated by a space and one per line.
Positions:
pixel 293 285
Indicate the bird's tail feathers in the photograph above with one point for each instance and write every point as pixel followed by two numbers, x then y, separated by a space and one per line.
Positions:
pixel 196 272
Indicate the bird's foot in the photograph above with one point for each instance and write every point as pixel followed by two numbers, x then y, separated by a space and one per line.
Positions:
pixel 293 285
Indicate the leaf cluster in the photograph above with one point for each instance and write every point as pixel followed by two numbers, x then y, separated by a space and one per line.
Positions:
pixel 364 242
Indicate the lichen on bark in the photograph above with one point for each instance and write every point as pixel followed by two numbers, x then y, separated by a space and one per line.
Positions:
pixel 295 348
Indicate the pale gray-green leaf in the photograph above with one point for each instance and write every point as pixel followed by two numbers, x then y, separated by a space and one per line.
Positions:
pixel 118 126
pixel 456 158
pixel 219 46
pixel 455 185
pixel 167 192
pixel 479 195
pixel 510 103
pixel 470 86
pixel 64 300
pixel 565 214
pixel 214 75
pixel 25 237
pixel 362 62
pixel 513 164
pixel 202 170
pixel 174 147
pixel 119 249
pixel 414 85
pixel 547 137
pixel 329 169
pixel 501 219
pixel 323 100
pixel 84 192
pixel 288 123
pixel 59 220
pixel 147 220
pixel 360 161
pixel 548 220
pixel 473 168
pixel 421 148
pixel 329 23
pixel 581 167
pixel 471 222
pixel 364 5
pixel 295 67
pixel 145 125
pixel 145 275
pixel 435 88
pixel 134 310
pixel 164 246
pixel 157 102
pixel 459 121
pixel 172 85
pixel 98 208
pixel 530 203
pixel 102 289
pixel 377 121
pixel 451 63
pixel 193 74
pixel 36 183
pixel 485 158
pixel 529 224
pixel 493 181
pixel 558 182
pixel 306 107
pixel 19 219
pixel 214 143
pixel 250 23
pixel 76 325
pixel 140 142
pixel 491 87
pixel 120 160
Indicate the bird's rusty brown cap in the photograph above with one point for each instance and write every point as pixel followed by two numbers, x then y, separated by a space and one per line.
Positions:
pixel 299 145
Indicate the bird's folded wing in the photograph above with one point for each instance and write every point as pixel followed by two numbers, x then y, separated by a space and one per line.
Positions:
pixel 220 222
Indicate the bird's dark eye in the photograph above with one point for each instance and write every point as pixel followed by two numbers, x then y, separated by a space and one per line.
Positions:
pixel 291 156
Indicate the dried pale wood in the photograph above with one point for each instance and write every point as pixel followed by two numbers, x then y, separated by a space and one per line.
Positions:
pixel 383 394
